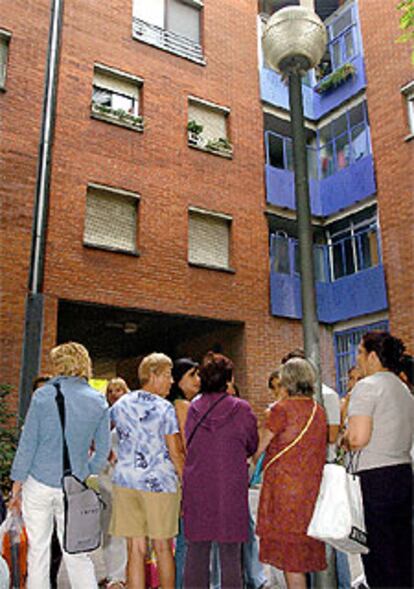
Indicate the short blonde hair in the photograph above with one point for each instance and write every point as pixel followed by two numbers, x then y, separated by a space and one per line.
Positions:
pixel 154 363
pixel 117 381
pixel 298 377
pixel 71 359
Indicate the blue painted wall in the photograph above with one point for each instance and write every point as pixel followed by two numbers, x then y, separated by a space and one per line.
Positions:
pixel 329 195
pixel 315 105
pixel 351 296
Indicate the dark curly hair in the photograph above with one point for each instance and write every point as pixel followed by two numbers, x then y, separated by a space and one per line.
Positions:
pixel 388 348
pixel 215 372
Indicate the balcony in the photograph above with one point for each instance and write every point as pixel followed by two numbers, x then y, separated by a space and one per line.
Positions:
pixel 167 40
pixel 341 171
pixel 339 297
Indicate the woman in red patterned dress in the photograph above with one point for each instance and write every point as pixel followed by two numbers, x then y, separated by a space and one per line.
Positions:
pixel 295 433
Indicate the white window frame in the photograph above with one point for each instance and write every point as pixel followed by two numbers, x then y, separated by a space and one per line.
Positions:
pixel 408 92
pixel 5 37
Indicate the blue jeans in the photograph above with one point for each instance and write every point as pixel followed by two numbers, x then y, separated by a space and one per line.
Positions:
pixel 180 553
pixel 342 570
pixel 253 572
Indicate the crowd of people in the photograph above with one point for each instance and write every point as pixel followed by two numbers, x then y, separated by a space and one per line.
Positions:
pixel 172 461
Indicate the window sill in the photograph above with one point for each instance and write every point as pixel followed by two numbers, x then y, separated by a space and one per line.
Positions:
pixel 409 137
pixel 226 154
pixel 211 267
pixel 108 248
pixel 167 41
pixel 114 120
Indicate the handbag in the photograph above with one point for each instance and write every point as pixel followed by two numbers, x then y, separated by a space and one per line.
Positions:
pixel 295 441
pixel 338 516
pixel 83 505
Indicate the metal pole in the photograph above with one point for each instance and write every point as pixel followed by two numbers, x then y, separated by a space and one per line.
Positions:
pixel 34 311
pixel 308 294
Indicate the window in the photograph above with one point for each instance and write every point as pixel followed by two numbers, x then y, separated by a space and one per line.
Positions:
pixel 208 127
pixel 344 140
pixel 116 97
pixel 353 246
pixel 346 346
pixel 342 38
pixel 408 93
pixel 4 50
pixel 173 25
pixel 111 219
pixel 209 239
pixel 285 257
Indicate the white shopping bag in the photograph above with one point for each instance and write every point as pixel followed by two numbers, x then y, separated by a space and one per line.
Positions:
pixel 338 516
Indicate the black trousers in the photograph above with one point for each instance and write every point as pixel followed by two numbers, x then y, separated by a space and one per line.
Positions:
pixel 387 494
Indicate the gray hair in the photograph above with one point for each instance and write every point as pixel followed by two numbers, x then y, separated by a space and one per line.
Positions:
pixel 298 377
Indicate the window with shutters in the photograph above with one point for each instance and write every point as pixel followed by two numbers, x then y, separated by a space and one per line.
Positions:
pixel 408 93
pixel 4 51
pixel 172 25
pixel 116 98
pixel 111 219
pixel 207 127
pixel 209 239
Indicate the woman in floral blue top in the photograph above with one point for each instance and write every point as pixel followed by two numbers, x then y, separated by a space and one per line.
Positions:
pixel 146 491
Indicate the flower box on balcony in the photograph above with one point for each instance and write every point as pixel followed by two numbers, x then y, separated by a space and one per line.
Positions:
pixel 117 116
pixel 336 78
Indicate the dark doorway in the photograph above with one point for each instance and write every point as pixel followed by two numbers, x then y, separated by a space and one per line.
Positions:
pixel 118 338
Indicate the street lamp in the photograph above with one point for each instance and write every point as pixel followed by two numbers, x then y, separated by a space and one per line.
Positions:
pixel 294 41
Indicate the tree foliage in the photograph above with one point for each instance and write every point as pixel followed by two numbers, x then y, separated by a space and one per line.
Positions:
pixel 407 23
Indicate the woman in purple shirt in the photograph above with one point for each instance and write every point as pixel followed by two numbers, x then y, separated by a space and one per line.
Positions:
pixel 221 433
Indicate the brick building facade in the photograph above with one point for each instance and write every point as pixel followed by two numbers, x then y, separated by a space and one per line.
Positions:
pixel 184 266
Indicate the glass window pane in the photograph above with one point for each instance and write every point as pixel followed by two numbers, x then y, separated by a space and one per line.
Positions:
pixel 336 54
pixel 184 20
pixel 289 154
pixel 341 23
pixel 349 257
pixel 150 11
pixel 342 152
pixel 339 125
pixel 312 163
pixel 297 258
pixel 367 249
pixel 338 261
pixel 281 261
pixel 319 261
pixel 356 114
pixel 349 44
pixel 276 151
pixel 359 142
pixel 101 97
pixel 325 133
pixel 125 103
pixel 327 161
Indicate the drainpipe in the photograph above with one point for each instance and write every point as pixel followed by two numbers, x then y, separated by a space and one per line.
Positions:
pixel 34 308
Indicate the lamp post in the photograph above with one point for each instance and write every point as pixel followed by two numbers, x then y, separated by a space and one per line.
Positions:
pixel 294 41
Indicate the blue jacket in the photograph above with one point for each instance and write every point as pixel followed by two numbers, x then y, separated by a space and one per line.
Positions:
pixel 39 453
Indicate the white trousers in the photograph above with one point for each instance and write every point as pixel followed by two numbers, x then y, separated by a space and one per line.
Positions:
pixel 41 506
pixel 114 549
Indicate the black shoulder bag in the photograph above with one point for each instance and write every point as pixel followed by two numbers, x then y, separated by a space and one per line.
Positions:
pixel 83 506
pixel 197 425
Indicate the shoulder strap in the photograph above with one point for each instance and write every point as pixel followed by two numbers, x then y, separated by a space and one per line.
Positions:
pixel 60 400
pixel 197 425
pixel 295 441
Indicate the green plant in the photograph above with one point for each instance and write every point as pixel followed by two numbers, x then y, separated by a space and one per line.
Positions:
pixel 407 23
pixel 221 144
pixel 336 78
pixel 9 436
pixel 119 113
pixel 194 127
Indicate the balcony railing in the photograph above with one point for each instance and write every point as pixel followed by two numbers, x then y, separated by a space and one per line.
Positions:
pixel 167 40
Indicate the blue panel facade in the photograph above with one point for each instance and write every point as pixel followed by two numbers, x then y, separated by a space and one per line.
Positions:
pixel 328 195
pixel 351 296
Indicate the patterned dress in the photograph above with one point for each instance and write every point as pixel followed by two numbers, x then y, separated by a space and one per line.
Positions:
pixel 290 488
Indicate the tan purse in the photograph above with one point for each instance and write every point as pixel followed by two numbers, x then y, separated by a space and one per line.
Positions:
pixel 295 441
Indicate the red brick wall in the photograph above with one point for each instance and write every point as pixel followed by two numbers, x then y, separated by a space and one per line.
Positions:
pixel 158 165
pixel 388 70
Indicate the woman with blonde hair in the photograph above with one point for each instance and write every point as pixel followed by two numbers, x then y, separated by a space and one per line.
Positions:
pixel 38 465
pixel 294 438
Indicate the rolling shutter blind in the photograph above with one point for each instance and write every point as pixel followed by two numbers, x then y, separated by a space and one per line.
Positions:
pixel 184 20
pixel 213 121
pixel 208 240
pixel 110 220
pixel 116 84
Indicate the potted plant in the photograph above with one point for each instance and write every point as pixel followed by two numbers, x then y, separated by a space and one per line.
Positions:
pixel 194 130
pixel 221 145
pixel 336 78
